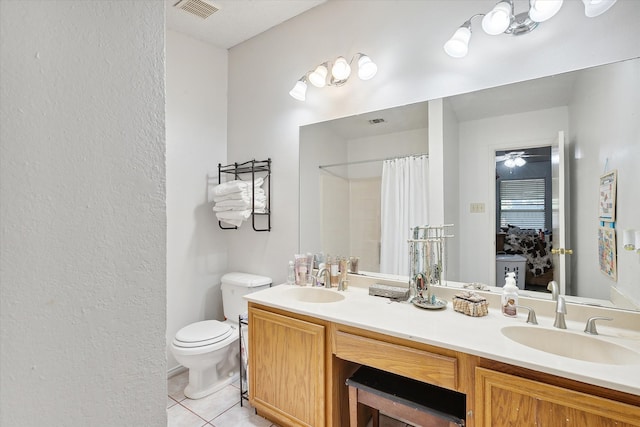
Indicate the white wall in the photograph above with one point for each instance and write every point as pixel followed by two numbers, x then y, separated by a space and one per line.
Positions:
pixel 82 212
pixel 479 140
pixel 605 125
pixel 405 38
pixel 321 147
pixel 196 143
pixel 390 145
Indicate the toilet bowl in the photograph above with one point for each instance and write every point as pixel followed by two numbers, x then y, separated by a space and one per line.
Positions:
pixel 210 348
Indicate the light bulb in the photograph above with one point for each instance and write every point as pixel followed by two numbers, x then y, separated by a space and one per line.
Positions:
pixel 299 91
pixel 541 10
pixel 366 68
pixel 341 69
pixel 519 161
pixel 510 163
pixel 594 8
pixel 498 19
pixel 318 77
pixel 458 45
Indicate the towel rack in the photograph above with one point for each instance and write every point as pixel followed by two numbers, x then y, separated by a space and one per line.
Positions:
pixel 257 169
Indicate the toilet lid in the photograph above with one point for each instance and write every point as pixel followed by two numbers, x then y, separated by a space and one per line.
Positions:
pixel 202 333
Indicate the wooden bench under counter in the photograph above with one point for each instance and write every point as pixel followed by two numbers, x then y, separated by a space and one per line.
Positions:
pixel 402 398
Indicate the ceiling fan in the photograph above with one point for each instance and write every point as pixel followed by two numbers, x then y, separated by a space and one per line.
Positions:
pixel 515 158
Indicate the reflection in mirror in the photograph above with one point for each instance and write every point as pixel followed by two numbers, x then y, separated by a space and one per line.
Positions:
pixel 524 235
pixel 341 168
pixel 596 109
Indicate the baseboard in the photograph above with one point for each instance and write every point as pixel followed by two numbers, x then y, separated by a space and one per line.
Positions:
pixel 176 371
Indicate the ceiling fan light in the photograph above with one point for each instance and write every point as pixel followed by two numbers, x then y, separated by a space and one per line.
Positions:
pixel 299 91
pixel 541 10
pixel 593 8
pixel 519 161
pixel 510 163
pixel 498 19
pixel 458 45
pixel 366 68
pixel 318 77
pixel 341 69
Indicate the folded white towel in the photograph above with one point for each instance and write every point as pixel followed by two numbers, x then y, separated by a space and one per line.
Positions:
pixel 235 186
pixel 238 205
pixel 235 217
pixel 242 195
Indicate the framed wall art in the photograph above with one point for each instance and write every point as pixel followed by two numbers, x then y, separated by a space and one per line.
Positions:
pixel 607 198
pixel 607 252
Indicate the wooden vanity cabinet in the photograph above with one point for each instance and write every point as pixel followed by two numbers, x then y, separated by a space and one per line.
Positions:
pixel 298 366
pixel 508 400
pixel 287 367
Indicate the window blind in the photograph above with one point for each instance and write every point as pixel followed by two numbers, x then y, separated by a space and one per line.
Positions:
pixel 522 203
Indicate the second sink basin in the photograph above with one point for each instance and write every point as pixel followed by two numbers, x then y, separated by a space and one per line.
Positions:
pixel 572 345
pixel 318 295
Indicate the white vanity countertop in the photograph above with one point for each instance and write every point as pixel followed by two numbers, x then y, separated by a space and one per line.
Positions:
pixel 479 336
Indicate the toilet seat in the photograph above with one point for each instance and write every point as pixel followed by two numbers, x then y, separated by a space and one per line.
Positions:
pixel 202 334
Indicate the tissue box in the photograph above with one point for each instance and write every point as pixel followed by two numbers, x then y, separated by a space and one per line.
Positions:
pixel 471 304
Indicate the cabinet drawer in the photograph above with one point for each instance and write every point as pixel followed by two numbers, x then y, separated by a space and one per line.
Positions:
pixel 410 362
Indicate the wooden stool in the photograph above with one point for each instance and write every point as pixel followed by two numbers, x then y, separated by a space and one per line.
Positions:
pixel 402 398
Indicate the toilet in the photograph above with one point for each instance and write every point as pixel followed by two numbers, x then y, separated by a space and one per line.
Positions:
pixel 210 349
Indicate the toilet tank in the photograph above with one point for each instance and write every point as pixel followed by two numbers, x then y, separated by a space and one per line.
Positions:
pixel 234 286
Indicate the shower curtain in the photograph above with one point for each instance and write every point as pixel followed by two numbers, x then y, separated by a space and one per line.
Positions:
pixel 403 206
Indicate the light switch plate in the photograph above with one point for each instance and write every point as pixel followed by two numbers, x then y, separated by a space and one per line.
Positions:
pixel 476 208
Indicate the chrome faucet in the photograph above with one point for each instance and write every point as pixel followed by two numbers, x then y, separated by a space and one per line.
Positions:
pixel 553 287
pixel 327 277
pixel 561 310
pixel 590 327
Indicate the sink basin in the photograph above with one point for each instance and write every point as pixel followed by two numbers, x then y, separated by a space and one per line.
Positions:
pixel 318 295
pixel 572 345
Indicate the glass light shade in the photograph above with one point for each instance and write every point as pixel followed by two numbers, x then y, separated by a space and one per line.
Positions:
pixel 510 163
pixel 541 10
pixel 299 91
pixel 519 161
pixel 594 8
pixel 458 45
pixel 318 77
pixel 341 69
pixel 498 20
pixel 366 68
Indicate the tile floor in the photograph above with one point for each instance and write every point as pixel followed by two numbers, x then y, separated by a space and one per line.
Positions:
pixel 220 409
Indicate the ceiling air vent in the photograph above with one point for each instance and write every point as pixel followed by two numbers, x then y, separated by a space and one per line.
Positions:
pixel 376 121
pixel 199 8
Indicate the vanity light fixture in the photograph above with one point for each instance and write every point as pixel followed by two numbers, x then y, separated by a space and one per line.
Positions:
pixel 340 73
pixel 502 19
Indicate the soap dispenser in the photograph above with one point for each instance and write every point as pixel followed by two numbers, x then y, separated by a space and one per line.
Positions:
pixel 510 295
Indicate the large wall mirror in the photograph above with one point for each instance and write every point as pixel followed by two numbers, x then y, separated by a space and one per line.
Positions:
pixel 596 110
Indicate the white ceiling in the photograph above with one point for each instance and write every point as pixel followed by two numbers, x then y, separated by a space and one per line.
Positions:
pixel 236 20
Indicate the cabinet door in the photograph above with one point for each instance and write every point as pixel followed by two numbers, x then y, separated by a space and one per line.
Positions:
pixel 286 368
pixel 507 400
